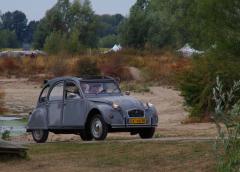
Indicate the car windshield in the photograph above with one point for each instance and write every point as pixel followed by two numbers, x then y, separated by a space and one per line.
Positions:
pixel 96 88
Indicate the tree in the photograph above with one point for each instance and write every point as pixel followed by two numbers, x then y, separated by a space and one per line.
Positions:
pixel 31 28
pixel 55 43
pixel 77 21
pixel 133 31
pixel 8 39
pixel 15 21
pixel 109 24
pixel 108 41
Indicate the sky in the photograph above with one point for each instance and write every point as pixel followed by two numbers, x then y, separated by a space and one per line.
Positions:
pixel 35 9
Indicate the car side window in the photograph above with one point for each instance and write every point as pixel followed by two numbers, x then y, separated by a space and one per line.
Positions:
pixel 71 91
pixel 57 92
pixel 43 97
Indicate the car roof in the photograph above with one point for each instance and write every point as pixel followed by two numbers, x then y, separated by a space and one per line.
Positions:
pixel 77 79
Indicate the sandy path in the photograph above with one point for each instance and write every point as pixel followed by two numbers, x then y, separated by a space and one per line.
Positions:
pixel 21 97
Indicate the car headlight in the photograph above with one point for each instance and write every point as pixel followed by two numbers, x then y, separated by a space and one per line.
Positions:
pixel 115 106
pixel 148 105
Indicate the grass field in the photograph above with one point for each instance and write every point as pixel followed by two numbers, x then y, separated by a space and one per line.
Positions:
pixel 116 156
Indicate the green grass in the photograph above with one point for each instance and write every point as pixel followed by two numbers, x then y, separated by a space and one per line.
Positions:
pixel 106 156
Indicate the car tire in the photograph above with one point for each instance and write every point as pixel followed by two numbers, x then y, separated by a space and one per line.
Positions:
pixel 40 136
pixel 147 133
pixel 98 127
pixel 86 135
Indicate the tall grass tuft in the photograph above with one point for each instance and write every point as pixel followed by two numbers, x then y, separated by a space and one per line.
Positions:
pixel 227 120
pixel 1 101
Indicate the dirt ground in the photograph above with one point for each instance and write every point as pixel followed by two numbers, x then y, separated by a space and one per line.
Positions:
pixel 21 97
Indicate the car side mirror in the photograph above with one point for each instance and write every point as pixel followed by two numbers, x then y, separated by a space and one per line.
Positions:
pixel 127 93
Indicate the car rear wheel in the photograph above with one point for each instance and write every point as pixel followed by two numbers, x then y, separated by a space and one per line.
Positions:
pixel 147 133
pixel 98 127
pixel 40 136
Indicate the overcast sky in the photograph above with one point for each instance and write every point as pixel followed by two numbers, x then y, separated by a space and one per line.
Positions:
pixel 35 9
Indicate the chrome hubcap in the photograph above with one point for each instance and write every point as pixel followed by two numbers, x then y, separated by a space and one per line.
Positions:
pixel 96 128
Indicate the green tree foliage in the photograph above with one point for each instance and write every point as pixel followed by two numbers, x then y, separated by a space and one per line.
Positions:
pixel 74 20
pixel 54 43
pixel 196 84
pixel 174 23
pixel 15 21
pixel 168 23
pixel 133 31
pixel 40 34
pixel 156 24
pixel 31 28
pixel 15 24
pixel 214 27
pixel 109 24
pixel 108 41
pixel 8 39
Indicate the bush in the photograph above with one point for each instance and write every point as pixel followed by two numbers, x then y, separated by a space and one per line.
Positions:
pixel 10 66
pixel 58 66
pixel 6 135
pixel 196 83
pixel 86 67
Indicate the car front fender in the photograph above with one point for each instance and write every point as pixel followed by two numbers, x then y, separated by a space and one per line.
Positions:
pixel 110 115
pixel 38 119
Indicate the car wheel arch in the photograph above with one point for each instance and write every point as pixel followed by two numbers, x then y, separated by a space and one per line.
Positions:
pixel 91 113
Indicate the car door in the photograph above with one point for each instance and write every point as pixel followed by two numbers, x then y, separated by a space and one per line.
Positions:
pixel 55 105
pixel 74 106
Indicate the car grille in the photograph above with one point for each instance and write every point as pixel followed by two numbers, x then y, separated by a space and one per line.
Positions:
pixel 135 113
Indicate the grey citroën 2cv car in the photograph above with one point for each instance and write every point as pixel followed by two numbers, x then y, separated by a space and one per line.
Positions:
pixel 90 107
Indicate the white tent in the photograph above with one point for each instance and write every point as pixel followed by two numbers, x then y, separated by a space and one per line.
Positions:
pixel 116 48
pixel 188 51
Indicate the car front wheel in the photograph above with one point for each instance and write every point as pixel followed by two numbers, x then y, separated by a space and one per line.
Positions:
pixel 40 136
pixel 86 135
pixel 98 128
pixel 147 133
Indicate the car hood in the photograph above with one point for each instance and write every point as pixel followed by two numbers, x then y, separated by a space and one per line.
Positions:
pixel 125 102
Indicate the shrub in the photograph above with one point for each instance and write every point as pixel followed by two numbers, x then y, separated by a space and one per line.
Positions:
pixel 197 82
pixel 57 66
pixel 11 66
pixel 86 67
pixel 6 135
